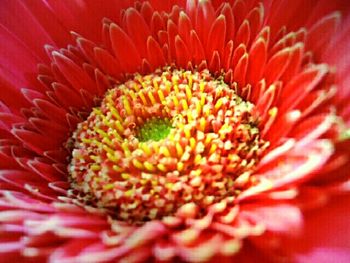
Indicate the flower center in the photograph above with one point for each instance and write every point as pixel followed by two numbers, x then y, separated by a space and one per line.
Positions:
pixel 154 129
pixel 163 140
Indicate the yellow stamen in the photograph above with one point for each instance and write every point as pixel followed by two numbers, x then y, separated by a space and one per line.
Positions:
pixel 127 106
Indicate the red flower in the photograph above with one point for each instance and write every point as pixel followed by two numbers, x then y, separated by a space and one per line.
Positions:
pixel 180 131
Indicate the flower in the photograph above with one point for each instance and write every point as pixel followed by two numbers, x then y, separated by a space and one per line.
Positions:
pixel 182 131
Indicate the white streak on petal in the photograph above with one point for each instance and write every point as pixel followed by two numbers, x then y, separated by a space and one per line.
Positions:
pixel 278 151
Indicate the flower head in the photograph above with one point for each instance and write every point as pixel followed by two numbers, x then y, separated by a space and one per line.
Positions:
pixel 181 131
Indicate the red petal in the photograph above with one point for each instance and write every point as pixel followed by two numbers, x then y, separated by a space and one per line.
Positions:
pixel 154 53
pixel 124 49
pixel 35 141
pixel 106 40
pixel 265 101
pixel 73 73
pixel 316 99
pixel 175 13
pixel 323 241
pixel 296 165
pixel 87 47
pixel 182 53
pixel 255 18
pixel 197 50
pixel 31 95
pixel 279 218
pixel 7 160
pixel 277 65
pixel 46 171
pixel 163 38
pixel 107 62
pixel 137 29
pixel 185 27
pixel 237 54
pixel 67 97
pixel 296 90
pixel 321 32
pixel 228 53
pixel 230 21
pixel 149 232
pixel 214 64
pixel 217 35
pixel 191 8
pixel 51 111
pixel 147 12
pixel 265 34
pixel 205 248
pixel 73 53
pixel 239 11
pixel 102 82
pixel 156 24
pixel 49 128
pixel 287 121
pixel 204 19
pixel 14 11
pixel 297 52
pixel 257 60
pixel 313 128
pixel 243 34
pixel 146 67
pixel 240 71
pixel 172 33
pixel 164 250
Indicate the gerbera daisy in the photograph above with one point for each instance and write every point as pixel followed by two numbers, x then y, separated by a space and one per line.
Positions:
pixel 172 131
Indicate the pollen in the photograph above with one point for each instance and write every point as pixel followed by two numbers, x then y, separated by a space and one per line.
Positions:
pixel 163 140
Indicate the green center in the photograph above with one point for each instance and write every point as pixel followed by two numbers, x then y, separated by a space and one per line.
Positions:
pixel 154 129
